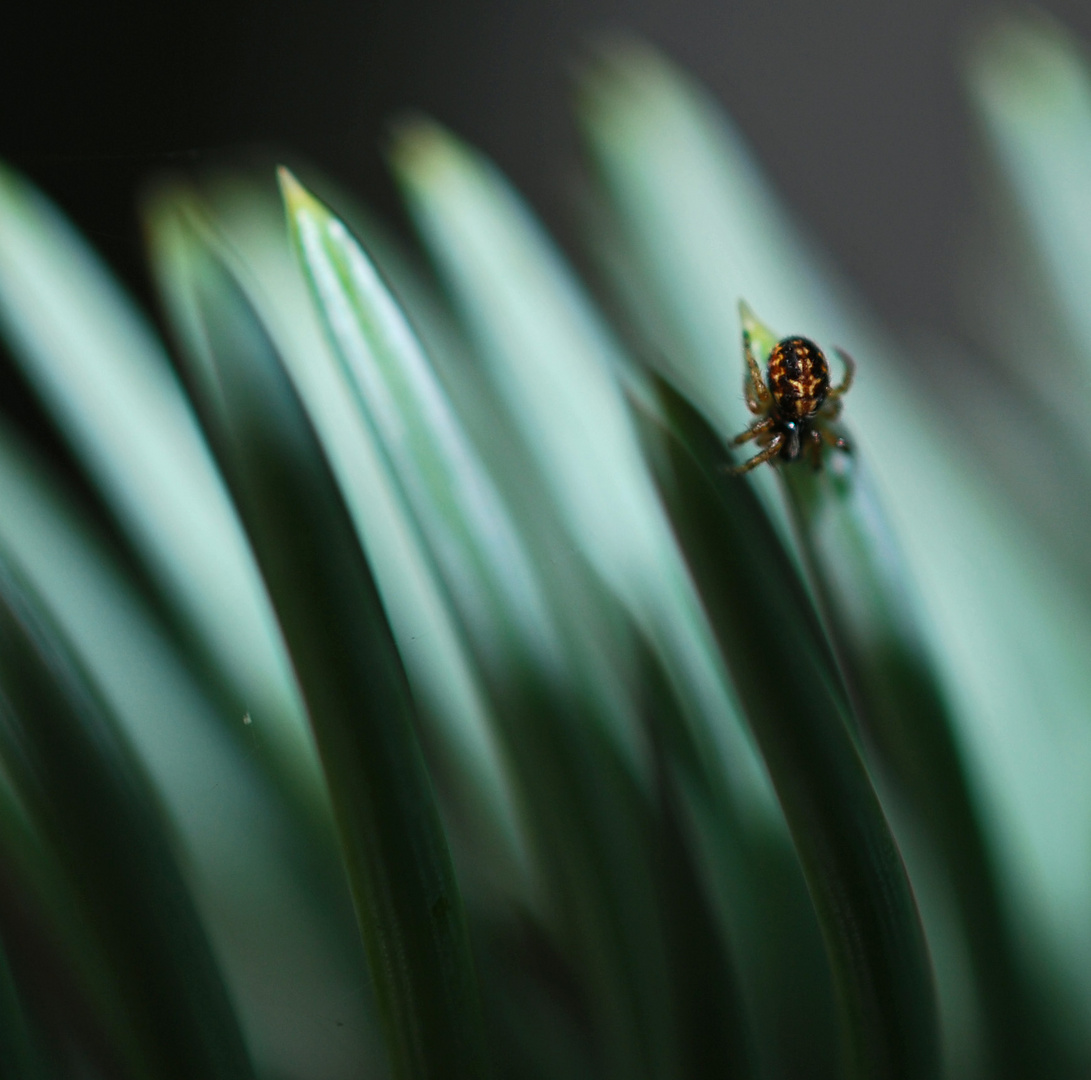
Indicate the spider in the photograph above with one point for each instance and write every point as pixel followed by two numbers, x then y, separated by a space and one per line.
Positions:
pixel 795 402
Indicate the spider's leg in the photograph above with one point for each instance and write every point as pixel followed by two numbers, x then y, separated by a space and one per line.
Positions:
pixel 815 447
pixel 831 408
pixel 831 438
pixel 846 382
pixel 752 403
pixel 753 431
pixel 761 391
pixel 770 451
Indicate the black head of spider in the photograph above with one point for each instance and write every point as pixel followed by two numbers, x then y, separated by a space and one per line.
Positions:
pixel 794 403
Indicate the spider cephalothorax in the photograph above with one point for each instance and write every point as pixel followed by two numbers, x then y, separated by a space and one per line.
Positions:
pixel 794 402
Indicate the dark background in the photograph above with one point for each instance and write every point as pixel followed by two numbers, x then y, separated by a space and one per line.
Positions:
pixel 97 98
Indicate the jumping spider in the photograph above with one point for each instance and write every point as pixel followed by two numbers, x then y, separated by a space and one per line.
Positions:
pixel 795 402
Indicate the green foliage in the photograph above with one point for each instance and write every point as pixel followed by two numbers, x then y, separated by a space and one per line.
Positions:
pixel 433 602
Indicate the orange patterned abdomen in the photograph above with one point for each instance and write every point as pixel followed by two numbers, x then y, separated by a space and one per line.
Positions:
pixel 798 377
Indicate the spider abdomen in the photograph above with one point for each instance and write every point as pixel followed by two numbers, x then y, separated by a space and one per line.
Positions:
pixel 798 377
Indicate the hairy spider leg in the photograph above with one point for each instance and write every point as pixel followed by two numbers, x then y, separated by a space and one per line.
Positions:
pixel 757 428
pixel 759 400
pixel 831 409
pixel 846 382
pixel 831 438
pixel 821 434
pixel 775 443
pixel 818 435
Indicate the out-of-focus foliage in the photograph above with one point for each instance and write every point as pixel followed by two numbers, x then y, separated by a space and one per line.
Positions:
pixel 438 705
